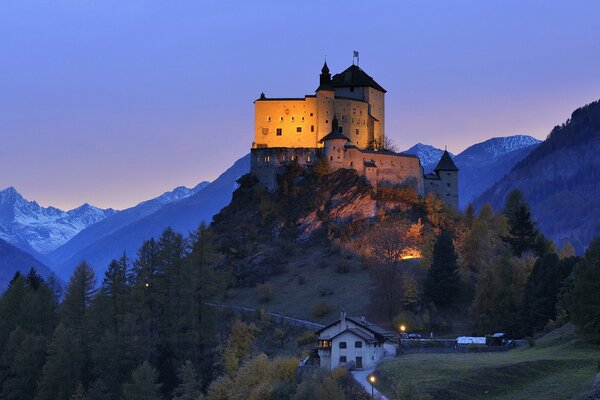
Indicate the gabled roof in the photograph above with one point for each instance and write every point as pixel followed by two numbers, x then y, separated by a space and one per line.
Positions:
pixel 362 322
pixel 353 76
pixel 360 333
pixel 446 163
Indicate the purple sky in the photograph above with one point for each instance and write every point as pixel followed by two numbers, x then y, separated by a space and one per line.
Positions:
pixel 112 102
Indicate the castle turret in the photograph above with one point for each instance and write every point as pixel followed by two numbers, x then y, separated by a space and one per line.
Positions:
pixel 325 77
pixel 447 172
pixel 335 143
pixel 325 103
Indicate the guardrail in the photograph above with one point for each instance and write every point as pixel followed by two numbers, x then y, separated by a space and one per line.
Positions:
pixel 406 346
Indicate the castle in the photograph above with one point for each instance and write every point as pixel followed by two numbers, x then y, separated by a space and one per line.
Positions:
pixel 344 123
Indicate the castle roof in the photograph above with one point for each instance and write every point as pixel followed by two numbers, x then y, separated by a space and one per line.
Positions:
pixel 334 135
pixel 445 163
pixel 353 76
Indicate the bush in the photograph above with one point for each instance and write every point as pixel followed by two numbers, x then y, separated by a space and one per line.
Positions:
pixel 342 267
pixel 265 292
pixel 320 309
pixel 307 337
pixel 325 291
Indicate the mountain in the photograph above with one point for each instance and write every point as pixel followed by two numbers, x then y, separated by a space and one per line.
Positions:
pixel 183 215
pixel 119 220
pixel 428 155
pixel 483 164
pixel 39 230
pixel 13 259
pixel 560 179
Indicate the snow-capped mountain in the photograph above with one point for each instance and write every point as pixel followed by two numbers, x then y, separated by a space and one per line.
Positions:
pixel 489 151
pixel 485 163
pixel 428 155
pixel 38 229
pixel 127 230
pixel 119 220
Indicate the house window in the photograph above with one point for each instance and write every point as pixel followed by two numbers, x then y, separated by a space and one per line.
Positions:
pixel 342 359
pixel 279 132
pixel 448 184
pixel 312 128
pixel 298 129
pixel 343 345
pixel 358 344
pixel 351 90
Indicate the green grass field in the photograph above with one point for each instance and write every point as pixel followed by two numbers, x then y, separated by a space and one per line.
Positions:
pixel 296 291
pixel 559 366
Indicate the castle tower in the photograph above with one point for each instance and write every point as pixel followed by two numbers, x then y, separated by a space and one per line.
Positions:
pixel 325 103
pixel 335 143
pixel 447 172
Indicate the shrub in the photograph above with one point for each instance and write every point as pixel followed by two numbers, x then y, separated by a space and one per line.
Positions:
pixel 343 267
pixel 320 309
pixel 307 337
pixel 265 292
pixel 325 291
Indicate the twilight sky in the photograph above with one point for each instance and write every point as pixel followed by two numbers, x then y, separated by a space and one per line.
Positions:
pixel 112 102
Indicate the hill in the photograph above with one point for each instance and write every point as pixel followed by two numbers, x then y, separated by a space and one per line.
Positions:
pixel 13 259
pixel 560 180
pixel 183 216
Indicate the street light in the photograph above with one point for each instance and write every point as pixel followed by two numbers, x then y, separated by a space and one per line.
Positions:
pixel 402 328
pixel 372 379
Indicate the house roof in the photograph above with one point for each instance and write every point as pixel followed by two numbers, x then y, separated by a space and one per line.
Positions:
pixel 360 333
pixel 446 163
pixel 353 76
pixel 362 322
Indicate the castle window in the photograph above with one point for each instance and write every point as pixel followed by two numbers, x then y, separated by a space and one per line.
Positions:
pixel 292 118
pixel 326 121
pixel 265 131
pixel 292 158
pixel 330 158
pixel 311 114
pixel 357 131
pixel 447 184
pixel 268 119
pixel 448 173
pixel 343 117
pixel 279 132
pixel 302 119
pixel 307 158
pixel 298 129
pixel 312 128
pixel 340 128
pixel 280 119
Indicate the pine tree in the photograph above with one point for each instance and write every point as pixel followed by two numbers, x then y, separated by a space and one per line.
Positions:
pixel 189 384
pixel 143 384
pixel 584 300
pixel 80 292
pixel 79 393
pixel 522 233
pixel 442 285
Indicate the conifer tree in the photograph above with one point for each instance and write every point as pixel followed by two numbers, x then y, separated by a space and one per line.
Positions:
pixel 522 234
pixel 143 385
pixel 442 285
pixel 80 292
pixel 189 384
pixel 584 300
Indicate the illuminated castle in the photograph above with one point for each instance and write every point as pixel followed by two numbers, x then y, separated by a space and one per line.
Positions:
pixel 343 122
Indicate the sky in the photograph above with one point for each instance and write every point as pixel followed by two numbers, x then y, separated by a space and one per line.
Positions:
pixel 113 102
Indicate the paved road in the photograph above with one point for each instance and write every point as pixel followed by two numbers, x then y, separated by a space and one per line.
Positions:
pixel 361 377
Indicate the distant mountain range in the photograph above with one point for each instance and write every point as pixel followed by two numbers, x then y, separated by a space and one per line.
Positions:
pixel 561 180
pixel 480 165
pixel 39 230
pixel 116 235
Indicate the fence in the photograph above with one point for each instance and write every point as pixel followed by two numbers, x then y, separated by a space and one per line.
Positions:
pixel 408 346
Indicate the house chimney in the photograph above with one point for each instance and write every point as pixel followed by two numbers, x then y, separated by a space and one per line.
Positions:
pixel 343 324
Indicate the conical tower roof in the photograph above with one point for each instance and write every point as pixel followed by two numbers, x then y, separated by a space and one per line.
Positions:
pixel 446 163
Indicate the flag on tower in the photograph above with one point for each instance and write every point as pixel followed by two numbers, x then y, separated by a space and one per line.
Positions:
pixel 355 53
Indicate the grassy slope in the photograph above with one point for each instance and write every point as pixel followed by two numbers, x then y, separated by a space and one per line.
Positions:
pixel 558 367
pixel 318 268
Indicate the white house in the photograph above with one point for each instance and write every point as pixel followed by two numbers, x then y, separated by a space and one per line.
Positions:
pixel 351 341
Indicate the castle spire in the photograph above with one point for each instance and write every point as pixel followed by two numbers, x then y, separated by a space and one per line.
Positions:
pixel 325 77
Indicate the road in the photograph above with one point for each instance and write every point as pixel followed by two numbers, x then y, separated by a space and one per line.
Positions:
pixel 361 377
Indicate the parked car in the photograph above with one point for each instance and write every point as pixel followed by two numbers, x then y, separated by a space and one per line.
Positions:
pixel 414 336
